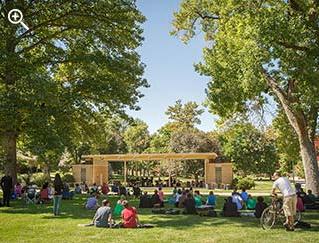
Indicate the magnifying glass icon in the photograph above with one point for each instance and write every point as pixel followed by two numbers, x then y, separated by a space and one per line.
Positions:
pixel 15 16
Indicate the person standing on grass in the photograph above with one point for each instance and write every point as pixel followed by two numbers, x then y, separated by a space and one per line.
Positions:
pixel 7 187
pixel 58 187
pixel 289 198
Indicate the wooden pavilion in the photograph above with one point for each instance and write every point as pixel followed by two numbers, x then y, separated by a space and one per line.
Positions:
pixel 96 168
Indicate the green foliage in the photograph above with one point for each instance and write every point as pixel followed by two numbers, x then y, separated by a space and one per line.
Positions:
pixel 68 178
pixel 39 179
pixel 249 149
pixel 245 183
pixel 160 141
pixel 137 137
pixel 77 60
pixel 286 143
pixel 185 141
pixel 185 116
pixel 258 48
pixel 137 140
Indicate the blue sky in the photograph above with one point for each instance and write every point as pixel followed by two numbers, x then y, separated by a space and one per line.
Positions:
pixel 169 66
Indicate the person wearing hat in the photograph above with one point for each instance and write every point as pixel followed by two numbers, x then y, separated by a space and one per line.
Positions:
pixel 129 216
pixel 103 216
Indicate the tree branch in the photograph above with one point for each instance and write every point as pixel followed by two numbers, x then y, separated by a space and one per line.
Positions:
pixel 296 117
pixel 49 21
pixel 206 16
pixel 292 46
pixel 43 40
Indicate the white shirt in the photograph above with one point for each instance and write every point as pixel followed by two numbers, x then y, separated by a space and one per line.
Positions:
pixel 178 196
pixel 238 200
pixel 284 186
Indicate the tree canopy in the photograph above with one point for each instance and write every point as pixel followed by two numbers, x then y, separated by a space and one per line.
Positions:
pixel 256 48
pixel 77 58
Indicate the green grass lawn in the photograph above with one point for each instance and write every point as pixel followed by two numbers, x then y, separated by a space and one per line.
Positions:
pixel 35 223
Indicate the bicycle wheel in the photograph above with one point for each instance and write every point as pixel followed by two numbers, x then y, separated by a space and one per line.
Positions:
pixel 268 218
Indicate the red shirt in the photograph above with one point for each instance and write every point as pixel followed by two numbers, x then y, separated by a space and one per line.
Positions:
pixel 129 217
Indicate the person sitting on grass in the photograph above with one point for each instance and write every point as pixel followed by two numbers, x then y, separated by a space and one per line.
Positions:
pixel 260 207
pixel 251 203
pixel 156 200
pixel 310 201
pixel 44 193
pixel 84 187
pixel 230 208
pixel 237 200
pixel 311 196
pixel 177 197
pixel 198 199
pixel 105 189
pixel 67 194
pixel 145 201
pixel 161 196
pixel 189 205
pixel 137 192
pixel 129 216
pixel 211 199
pixel 103 215
pixel 182 199
pixel 94 188
pixel 92 202
pixel 77 189
pixel 244 195
pixel 18 189
pixel 119 206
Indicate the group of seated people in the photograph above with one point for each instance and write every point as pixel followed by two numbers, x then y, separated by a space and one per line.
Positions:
pixel 84 188
pixel 238 201
pixel 181 198
pixel 305 201
pixel 180 195
pixel 154 201
pixel 103 215
pixel 31 193
pixel 231 206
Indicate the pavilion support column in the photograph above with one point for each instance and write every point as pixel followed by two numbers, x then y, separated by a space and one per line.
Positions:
pixel 169 173
pixel 107 171
pixel 206 163
pixel 125 173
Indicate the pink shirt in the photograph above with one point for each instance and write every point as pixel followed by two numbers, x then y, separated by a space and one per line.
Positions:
pixel 161 195
pixel 129 217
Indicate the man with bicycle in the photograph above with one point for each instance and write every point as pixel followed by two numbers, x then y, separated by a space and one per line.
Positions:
pixel 289 199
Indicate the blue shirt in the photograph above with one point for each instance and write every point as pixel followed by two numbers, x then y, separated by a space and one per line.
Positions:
pixel 244 196
pixel 91 203
pixel 211 200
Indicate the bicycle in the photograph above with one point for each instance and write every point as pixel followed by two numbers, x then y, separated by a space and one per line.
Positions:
pixel 275 213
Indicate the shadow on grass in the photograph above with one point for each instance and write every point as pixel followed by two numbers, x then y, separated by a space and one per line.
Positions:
pixel 74 209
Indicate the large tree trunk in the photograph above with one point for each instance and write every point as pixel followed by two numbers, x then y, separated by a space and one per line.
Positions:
pixel 10 153
pixel 310 164
pixel 305 130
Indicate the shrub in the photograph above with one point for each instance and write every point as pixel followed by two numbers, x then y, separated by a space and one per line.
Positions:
pixel 245 183
pixel 39 179
pixel 69 178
